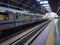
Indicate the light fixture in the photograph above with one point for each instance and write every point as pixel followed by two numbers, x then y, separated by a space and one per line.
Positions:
pixel 46 5
pixel 44 2
pixel 38 0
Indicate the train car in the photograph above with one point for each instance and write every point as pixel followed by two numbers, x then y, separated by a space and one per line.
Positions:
pixel 6 20
pixel 10 18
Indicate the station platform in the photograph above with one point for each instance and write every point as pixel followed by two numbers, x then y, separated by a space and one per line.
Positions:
pixel 51 34
pixel 47 36
pixel 57 31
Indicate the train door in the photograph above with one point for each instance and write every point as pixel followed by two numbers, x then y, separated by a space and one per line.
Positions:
pixel 32 18
pixel 19 19
pixel 35 18
pixel 12 18
pixel 27 18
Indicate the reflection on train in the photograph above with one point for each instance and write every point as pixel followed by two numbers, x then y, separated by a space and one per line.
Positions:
pixel 12 18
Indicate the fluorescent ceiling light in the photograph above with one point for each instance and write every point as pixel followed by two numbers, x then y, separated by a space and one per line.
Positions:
pixel 44 2
pixel 46 5
pixel 48 9
pixel 38 0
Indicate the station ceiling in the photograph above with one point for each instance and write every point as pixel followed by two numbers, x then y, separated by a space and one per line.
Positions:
pixel 32 5
pixel 55 5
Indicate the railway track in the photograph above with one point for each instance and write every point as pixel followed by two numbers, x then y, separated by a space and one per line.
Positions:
pixel 15 31
pixel 22 38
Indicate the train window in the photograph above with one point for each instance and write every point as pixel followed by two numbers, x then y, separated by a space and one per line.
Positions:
pixel 19 16
pixel 1 17
pixel 22 16
pixel 4 16
pixel 32 17
pixel 16 16
pixel 27 17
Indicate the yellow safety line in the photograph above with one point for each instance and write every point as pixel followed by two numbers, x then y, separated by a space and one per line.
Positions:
pixel 50 40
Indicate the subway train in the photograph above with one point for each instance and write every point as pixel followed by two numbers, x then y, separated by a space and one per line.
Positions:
pixel 10 18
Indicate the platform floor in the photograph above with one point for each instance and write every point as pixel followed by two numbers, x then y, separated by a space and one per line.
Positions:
pixel 46 37
pixel 54 34
pixel 57 32
pixel 50 40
